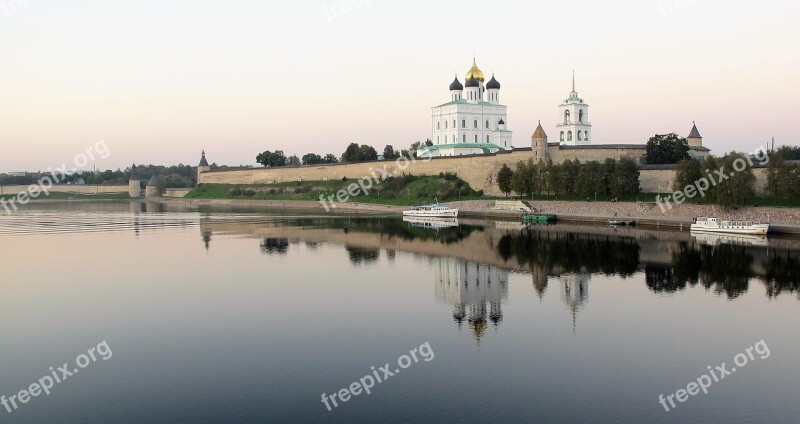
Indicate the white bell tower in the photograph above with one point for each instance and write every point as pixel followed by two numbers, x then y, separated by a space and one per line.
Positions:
pixel 573 126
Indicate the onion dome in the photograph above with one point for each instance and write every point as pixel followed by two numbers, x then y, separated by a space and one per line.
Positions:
pixel 473 82
pixel 493 84
pixel 475 71
pixel 456 85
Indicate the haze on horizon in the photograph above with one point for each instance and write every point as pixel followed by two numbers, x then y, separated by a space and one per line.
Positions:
pixel 160 81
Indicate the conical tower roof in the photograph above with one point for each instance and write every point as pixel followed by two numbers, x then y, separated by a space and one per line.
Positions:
pixel 539 133
pixel 694 133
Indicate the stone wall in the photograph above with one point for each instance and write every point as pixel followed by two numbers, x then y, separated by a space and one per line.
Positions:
pixel 68 188
pixel 480 171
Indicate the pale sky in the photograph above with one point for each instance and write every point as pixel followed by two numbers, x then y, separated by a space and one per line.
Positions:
pixel 159 81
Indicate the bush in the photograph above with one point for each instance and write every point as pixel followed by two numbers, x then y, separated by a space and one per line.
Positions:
pixel 249 192
pixel 236 191
pixel 301 190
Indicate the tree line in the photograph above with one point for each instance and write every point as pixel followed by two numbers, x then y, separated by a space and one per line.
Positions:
pixel 610 178
pixel 353 153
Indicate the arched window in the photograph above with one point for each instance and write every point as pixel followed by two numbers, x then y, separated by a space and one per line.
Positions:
pixel 579 136
pixel 475 125
pixel 463 123
pixel 487 138
pixel 464 138
pixel 445 124
pixel 454 123
pixel 569 135
pixel 586 135
pixel 562 135
pixel 487 123
pixel 566 117
pixel 580 116
pixel 437 125
pixel 476 138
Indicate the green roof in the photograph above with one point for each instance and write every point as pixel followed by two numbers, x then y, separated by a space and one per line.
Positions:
pixel 465 146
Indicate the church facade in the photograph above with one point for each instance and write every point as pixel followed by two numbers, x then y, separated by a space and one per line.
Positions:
pixel 472 122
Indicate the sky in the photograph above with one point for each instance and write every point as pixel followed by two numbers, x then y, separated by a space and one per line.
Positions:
pixel 159 81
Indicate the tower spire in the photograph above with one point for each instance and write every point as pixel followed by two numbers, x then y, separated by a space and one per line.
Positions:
pixel 573 80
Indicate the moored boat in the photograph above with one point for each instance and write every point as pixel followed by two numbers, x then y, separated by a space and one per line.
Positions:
pixel 433 210
pixel 717 225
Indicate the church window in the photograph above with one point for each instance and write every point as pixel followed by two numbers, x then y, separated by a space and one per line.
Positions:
pixel 454 123
pixel 487 123
pixel 580 116
pixel 562 135
pixel 579 136
pixel 445 124
pixel 464 138
pixel 475 125
pixel 586 135
pixel 566 117
pixel 487 138
pixel 476 138
pixel 569 135
pixel 463 123
pixel 437 125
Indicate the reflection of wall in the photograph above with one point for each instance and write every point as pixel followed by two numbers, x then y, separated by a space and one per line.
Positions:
pixel 476 290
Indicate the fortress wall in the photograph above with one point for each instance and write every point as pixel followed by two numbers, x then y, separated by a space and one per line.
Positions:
pixel 68 188
pixel 480 171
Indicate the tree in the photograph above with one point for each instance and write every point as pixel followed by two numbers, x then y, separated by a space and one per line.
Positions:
pixel 666 149
pixel 312 159
pixel 268 158
pixel 356 153
pixel 388 152
pixel 569 175
pixel 783 179
pixel 293 160
pixel 687 173
pixel 161 185
pixel 590 179
pixel 609 166
pixel 553 178
pixel 739 187
pixel 522 179
pixel 789 152
pixel 625 180
pixel 504 179
pixel 330 158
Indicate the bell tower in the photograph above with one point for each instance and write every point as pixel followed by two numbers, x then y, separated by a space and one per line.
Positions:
pixel 574 127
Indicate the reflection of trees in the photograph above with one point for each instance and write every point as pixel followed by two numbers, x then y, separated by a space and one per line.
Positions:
pixel 571 253
pixel 392 227
pixel 660 279
pixel 273 246
pixel 360 255
pixel 727 268
pixel 782 274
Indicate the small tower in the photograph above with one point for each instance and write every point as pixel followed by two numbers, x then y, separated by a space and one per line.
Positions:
pixel 695 139
pixel 456 90
pixel 134 184
pixel 493 91
pixel 202 167
pixel 539 144
pixel 574 126
pixel 151 190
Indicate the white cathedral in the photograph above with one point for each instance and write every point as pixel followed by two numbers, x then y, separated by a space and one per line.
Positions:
pixel 474 121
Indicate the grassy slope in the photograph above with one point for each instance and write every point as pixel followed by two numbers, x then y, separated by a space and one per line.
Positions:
pixel 396 191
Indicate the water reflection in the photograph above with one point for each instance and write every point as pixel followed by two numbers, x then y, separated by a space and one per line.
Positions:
pixel 475 290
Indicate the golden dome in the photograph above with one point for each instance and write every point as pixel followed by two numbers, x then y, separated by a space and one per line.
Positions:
pixel 474 71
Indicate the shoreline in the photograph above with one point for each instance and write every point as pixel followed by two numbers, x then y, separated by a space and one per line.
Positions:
pixel 567 211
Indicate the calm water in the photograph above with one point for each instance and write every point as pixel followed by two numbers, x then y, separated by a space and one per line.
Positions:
pixel 237 317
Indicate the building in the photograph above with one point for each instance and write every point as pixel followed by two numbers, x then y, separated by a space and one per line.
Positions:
pixel 472 122
pixel 574 127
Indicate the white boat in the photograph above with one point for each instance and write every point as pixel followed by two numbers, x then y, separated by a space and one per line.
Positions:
pixel 710 239
pixel 434 210
pixel 716 225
